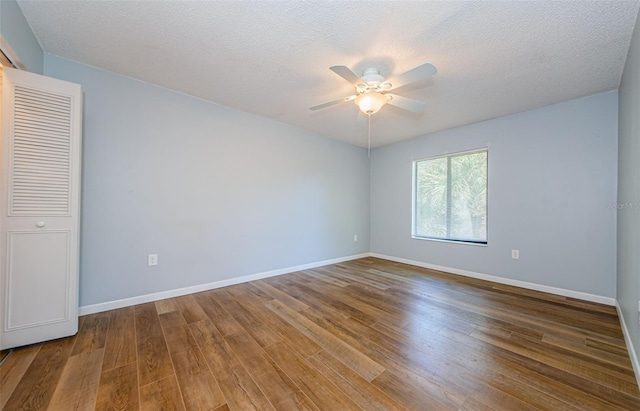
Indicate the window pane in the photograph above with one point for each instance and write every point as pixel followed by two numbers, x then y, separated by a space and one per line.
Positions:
pixel 451 197
pixel 431 198
pixel 469 197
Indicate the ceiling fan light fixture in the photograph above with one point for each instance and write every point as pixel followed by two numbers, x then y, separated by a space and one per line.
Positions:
pixel 371 103
pixel 372 89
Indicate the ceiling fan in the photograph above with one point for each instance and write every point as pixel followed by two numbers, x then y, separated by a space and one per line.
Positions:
pixel 372 90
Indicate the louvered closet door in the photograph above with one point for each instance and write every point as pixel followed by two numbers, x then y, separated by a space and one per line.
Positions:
pixel 39 226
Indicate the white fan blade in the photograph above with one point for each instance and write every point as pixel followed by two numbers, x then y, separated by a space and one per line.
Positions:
pixel 404 103
pixel 346 73
pixel 331 103
pixel 415 74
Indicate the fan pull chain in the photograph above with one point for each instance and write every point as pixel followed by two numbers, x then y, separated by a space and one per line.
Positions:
pixel 369 147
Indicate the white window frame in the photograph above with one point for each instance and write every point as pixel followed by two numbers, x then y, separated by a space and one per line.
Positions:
pixel 414 172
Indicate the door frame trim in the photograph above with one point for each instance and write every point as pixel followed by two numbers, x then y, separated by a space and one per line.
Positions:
pixel 8 57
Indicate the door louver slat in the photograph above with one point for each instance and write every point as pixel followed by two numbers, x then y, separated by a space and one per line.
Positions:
pixel 45 155
pixel 41 167
pixel 50 114
pixel 43 141
pixel 43 123
pixel 41 130
pixel 41 144
pixel 46 114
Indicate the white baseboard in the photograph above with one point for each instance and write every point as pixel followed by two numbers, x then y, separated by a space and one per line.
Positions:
pixel 516 283
pixel 627 339
pixel 110 305
pixel 141 299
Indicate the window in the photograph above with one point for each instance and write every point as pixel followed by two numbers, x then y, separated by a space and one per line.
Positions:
pixel 450 197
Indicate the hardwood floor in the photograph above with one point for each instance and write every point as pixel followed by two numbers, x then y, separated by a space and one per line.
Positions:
pixel 363 335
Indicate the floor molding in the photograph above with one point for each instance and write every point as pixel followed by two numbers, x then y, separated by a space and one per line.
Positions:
pixel 141 299
pixel 627 339
pixel 502 280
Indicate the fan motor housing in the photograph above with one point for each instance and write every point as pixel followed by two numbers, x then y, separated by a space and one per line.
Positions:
pixel 372 76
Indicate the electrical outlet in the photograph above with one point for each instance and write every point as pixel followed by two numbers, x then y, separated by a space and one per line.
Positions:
pixel 355 237
pixel 152 259
pixel 515 254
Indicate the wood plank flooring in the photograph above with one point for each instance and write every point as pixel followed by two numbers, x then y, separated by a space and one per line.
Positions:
pixel 362 335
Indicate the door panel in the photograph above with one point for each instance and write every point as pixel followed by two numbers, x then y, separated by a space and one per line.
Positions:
pixel 39 208
pixel 38 288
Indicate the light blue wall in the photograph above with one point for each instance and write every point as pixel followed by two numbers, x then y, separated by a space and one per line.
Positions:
pixel 16 31
pixel 552 179
pixel 216 192
pixel 629 192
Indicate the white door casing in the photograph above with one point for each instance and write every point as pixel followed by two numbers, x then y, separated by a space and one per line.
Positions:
pixel 39 208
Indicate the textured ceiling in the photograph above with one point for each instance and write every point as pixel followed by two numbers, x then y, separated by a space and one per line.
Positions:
pixel 272 58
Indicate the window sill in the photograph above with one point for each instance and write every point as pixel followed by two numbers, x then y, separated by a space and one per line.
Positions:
pixel 439 240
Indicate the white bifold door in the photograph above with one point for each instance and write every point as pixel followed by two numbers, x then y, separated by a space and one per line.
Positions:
pixel 39 207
